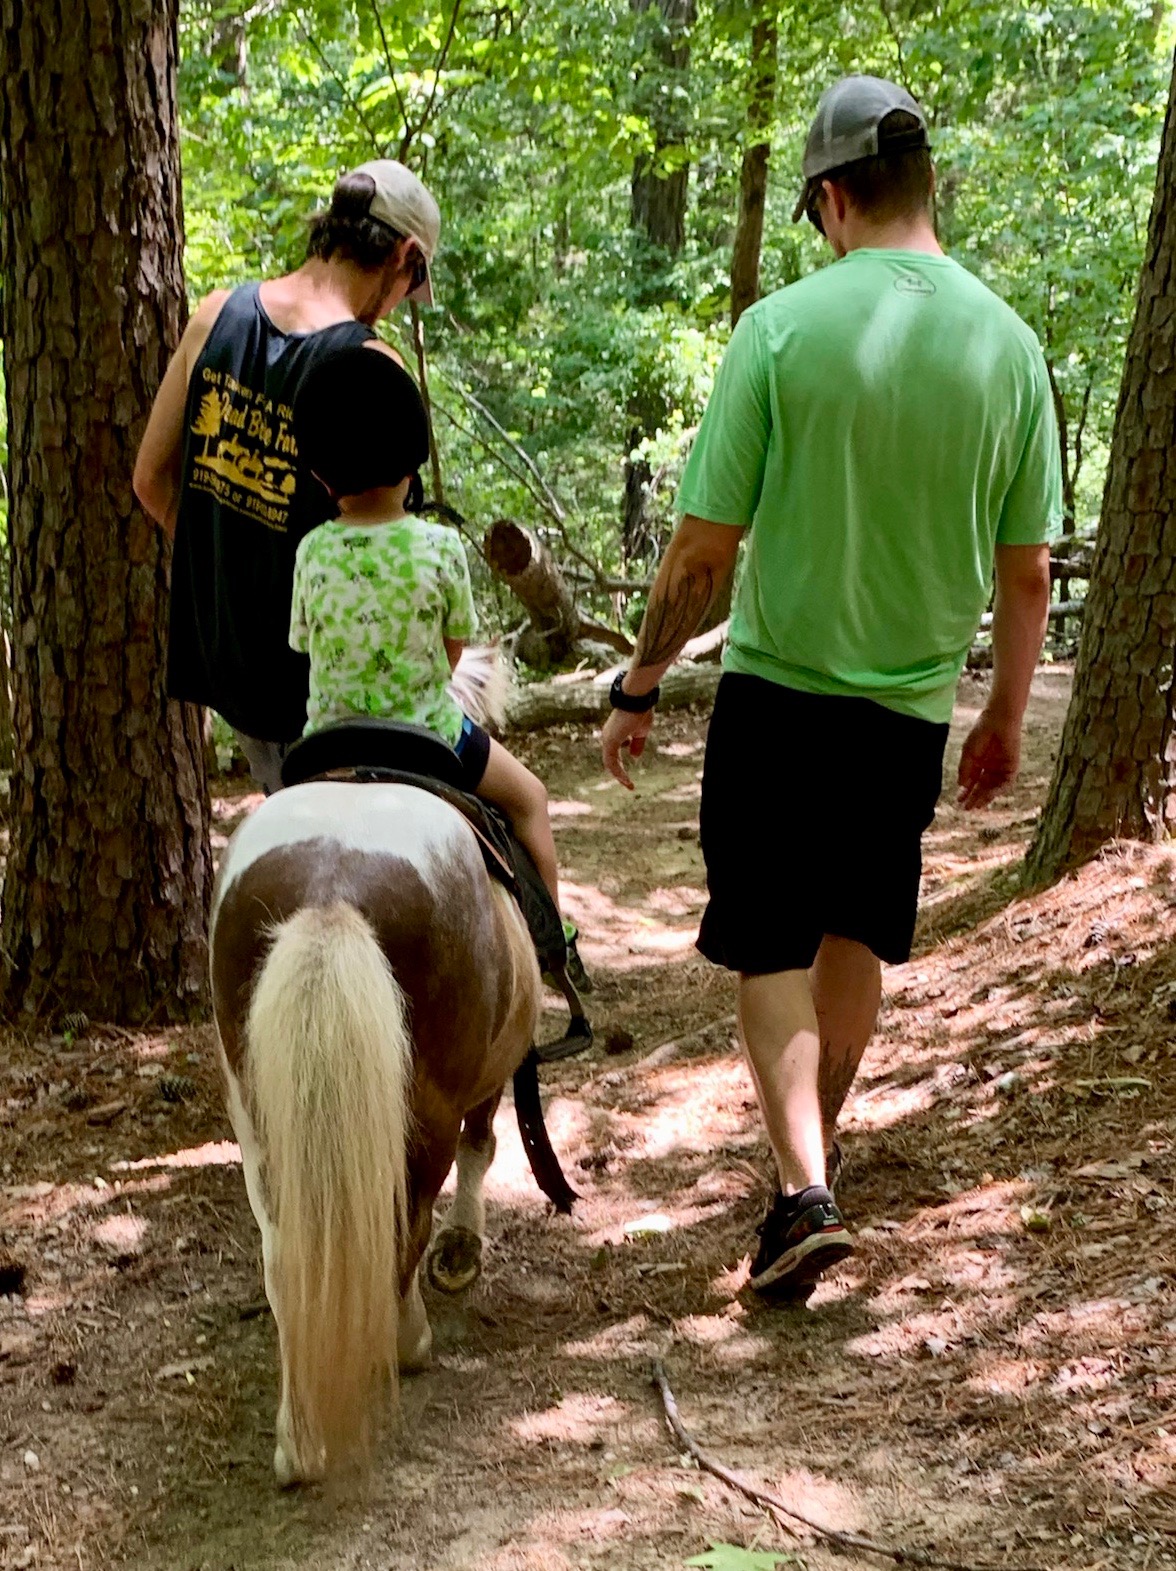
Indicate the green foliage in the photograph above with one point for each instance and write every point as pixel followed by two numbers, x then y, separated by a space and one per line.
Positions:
pixel 527 121
pixel 728 1557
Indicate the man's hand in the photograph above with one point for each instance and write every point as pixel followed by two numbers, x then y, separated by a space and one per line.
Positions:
pixel 989 761
pixel 622 733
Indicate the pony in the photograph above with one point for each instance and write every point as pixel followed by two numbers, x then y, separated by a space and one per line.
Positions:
pixel 373 991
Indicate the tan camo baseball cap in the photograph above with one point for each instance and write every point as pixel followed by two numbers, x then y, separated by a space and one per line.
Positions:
pixel 404 204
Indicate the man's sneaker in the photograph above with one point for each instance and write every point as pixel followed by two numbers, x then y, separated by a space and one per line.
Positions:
pixel 834 1167
pixel 800 1238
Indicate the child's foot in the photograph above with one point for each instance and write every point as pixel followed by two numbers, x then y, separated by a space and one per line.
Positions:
pixel 577 975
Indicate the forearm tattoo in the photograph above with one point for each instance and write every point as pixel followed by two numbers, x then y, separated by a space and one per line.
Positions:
pixel 673 615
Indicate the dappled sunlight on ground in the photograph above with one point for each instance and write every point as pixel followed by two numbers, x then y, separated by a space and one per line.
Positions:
pixel 991 1376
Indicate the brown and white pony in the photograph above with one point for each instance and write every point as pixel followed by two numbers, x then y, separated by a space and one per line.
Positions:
pixel 374 990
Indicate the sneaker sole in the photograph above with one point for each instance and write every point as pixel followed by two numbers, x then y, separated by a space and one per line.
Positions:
pixel 802 1267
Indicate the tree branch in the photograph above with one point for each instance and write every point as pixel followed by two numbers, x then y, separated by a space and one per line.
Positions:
pixel 892 29
pixel 438 68
pixel 610 586
pixel 418 343
pixel 522 478
pixel 831 1535
pixel 349 98
pixel 606 635
pixel 552 503
pixel 409 133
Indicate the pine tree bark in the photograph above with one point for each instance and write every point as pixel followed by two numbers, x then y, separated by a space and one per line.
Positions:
pixel 657 217
pixel 753 173
pixel 109 873
pixel 1116 770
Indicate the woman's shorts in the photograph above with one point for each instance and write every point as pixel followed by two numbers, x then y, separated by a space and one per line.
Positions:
pixel 813 811
pixel 473 749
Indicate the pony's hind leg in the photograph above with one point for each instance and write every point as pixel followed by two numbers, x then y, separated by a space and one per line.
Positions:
pixel 287 1465
pixel 455 1260
pixel 414 1336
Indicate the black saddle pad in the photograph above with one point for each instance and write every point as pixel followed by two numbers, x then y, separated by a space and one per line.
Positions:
pixel 384 750
pixel 372 744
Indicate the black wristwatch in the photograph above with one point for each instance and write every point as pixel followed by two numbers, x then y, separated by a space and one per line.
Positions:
pixel 639 704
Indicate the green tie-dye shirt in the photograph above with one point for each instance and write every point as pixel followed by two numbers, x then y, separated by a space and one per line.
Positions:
pixel 372 606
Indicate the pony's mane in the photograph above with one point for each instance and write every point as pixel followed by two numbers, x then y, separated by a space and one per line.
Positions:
pixel 481 685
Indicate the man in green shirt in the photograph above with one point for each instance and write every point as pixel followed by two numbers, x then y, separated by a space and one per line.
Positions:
pixel 883 433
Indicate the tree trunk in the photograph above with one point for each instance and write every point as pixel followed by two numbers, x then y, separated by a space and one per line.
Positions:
pixel 657 196
pixel 1116 770
pixel 657 217
pixel 753 175
pixel 109 873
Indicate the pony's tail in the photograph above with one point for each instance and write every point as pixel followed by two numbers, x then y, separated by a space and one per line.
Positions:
pixel 481 685
pixel 328 1070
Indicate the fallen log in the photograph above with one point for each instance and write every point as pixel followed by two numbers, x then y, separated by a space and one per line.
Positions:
pixel 706 646
pixel 580 700
pixel 1067 567
pixel 532 574
pixel 570 700
pixel 1057 613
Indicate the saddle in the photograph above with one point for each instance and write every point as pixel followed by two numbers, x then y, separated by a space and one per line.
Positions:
pixel 393 752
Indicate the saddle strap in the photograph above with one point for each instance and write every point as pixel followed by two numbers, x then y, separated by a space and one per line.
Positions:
pixel 536 1142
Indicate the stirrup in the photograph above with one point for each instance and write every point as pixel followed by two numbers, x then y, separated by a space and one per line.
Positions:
pixel 578 1036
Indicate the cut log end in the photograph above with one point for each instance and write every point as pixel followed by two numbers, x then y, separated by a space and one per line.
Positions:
pixel 509 548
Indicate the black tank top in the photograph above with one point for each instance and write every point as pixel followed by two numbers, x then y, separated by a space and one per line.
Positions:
pixel 244 506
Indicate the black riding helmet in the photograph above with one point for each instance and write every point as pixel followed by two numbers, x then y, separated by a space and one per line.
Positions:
pixel 359 422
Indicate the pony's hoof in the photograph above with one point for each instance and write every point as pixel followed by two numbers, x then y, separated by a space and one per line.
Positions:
pixel 285 1471
pixel 415 1360
pixel 455 1261
pixel 289 1473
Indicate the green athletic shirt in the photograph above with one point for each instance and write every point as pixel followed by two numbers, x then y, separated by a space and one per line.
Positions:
pixel 372 606
pixel 882 425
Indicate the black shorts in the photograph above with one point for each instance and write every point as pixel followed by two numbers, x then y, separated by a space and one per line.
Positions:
pixel 473 749
pixel 813 811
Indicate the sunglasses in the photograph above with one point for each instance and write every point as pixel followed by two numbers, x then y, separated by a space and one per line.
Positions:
pixel 812 206
pixel 420 271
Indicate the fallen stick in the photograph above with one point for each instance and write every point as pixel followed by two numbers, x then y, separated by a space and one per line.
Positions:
pixel 666 1051
pixel 831 1535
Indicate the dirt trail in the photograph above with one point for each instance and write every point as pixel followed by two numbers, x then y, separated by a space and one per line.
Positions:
pixel 992 1376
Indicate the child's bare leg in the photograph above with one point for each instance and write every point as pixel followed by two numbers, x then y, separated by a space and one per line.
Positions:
pixel 523 798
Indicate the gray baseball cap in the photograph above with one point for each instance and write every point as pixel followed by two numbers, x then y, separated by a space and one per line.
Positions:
pixel 402 202
pixel 845 128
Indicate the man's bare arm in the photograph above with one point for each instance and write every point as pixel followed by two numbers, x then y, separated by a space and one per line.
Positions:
pixel 992 752
pixel 157 468
pixel 700 559
pixel 697 564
